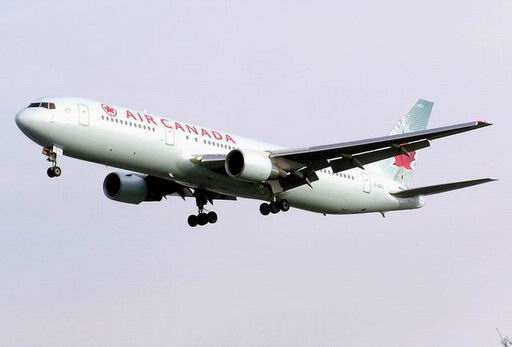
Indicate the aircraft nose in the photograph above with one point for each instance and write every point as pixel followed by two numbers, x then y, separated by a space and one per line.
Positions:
pixel 34 125
pixel 25 120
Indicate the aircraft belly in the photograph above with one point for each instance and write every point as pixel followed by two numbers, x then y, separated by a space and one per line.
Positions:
pixel 198 176
pixel 333 195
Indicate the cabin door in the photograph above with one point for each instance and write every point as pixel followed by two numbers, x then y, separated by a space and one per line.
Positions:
pixel 83 114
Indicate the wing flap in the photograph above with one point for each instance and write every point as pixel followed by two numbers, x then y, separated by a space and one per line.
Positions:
pixel 349 162
pixel 440 188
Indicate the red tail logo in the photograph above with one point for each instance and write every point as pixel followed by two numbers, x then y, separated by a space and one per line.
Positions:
pixel 405 161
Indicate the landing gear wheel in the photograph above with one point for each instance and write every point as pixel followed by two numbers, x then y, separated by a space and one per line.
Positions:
pixel 274 207
pixel 192 220
pixel 56 171
pixel 202 219
pixel 284 205
pixel 51 154
pixel 265 209
pixel 212 217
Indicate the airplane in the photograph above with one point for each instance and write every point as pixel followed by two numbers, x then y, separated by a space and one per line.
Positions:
pixel 167 157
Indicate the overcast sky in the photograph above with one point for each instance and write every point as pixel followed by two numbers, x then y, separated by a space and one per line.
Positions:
pixel 77 269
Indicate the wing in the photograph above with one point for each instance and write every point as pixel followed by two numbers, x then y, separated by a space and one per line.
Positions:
pixel 170 188
pixel 302 163
pixel 298 166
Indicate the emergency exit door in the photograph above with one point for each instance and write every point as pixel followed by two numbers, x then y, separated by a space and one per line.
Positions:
pixel 83 114
pixel 367 185
pixel 169 136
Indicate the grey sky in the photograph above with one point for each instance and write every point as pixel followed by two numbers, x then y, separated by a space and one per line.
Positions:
pixel 77 269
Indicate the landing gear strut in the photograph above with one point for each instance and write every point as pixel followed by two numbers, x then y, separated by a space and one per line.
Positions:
pixel 274 207
pixel 202 218
pixel 54 170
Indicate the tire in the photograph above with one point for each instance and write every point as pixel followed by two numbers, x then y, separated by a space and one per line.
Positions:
pixel 274 207
pixel 265 209
pixel 284 205
pixel 202 219
pixel 50 172
pixel 192 220
pixel 57 171
pixel 212 217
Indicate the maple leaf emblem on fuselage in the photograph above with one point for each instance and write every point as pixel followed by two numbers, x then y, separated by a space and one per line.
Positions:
pixel 405 161
pixel 109 110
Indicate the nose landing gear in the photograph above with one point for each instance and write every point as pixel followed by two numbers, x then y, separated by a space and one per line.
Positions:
pixel 274 207
pixel 51 153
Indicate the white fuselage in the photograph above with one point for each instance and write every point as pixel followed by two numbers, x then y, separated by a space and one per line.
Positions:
pixel 165 148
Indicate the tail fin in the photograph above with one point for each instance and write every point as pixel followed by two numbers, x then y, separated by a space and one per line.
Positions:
pixel 401 167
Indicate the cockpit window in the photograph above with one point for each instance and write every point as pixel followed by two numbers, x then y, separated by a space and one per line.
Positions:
pixel 48 105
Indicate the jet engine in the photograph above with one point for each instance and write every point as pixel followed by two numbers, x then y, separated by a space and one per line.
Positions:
pixel 129 188
pixel 250 165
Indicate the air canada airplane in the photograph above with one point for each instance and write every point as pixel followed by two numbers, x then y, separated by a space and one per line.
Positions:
pixel 171 157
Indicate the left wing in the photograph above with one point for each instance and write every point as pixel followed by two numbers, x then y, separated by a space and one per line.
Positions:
pixel 166 188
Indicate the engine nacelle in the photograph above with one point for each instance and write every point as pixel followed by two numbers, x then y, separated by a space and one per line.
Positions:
pixel 128 188
pixel 250 165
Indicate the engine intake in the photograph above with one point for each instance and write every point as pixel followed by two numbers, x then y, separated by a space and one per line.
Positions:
pixel 249 165
pixel 128 188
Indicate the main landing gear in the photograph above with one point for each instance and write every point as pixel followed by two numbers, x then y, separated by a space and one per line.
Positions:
pixel 202 218
pixel 274 207
pixel 54 170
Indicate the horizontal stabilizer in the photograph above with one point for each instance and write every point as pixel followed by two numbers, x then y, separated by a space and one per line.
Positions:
pixel 439 188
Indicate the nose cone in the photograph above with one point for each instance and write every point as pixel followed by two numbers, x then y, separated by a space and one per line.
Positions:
pixel 33 124
pixel 26 121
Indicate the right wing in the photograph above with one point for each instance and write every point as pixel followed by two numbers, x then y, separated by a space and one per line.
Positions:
pixel 302 163
pixel 298 166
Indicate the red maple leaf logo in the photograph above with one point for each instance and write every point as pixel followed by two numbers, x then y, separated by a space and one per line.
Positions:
pixel 405 161
pixel 109 110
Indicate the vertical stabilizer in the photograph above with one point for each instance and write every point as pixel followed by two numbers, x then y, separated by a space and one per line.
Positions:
pixel 401 167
